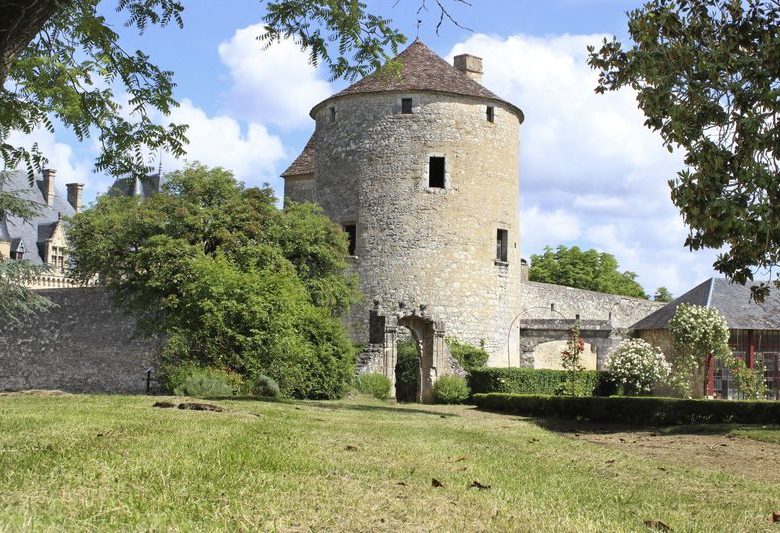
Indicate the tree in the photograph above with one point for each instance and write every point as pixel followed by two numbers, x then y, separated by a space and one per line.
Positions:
pixel 700 335
pixel 571 360
pixel 229 279
pixel 589 270
pixel 707 79
pixel 662 294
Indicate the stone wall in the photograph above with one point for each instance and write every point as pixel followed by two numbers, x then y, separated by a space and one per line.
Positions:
pixel 83 345
pixel 544 300
pixel 420 247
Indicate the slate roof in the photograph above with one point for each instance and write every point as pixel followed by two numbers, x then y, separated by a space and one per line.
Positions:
pixel 421 70
pixel 37 230
pixel 4 235
pixel 730 299
pixel 135 187
pixel 304 163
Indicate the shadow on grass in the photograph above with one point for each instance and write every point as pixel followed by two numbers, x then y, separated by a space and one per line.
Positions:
pixel 562 425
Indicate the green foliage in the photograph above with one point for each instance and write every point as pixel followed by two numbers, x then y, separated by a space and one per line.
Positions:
pixel 209 264
pixel 207 383
pixel 705 75
pixel 407 377
pixel 699 333
pixel 539 381
pixel 264 386
pixel 662 294
pixel 643 411
pixel 450 389
pixel 589 270
pixel 69 68
pixel 373 384
pixel 469 357
pixel 571 361
pixel 750 382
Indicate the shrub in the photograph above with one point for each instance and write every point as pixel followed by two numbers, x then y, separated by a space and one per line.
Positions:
pixel 207 383
pixel 539 381
pixel 373 384
pixel 637 366
pixel 450 389
pixel 265 386
pixel 641 411
pixel 469 357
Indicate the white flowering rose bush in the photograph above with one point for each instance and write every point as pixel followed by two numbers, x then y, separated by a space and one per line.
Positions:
pixel 698 332
pixel 637 366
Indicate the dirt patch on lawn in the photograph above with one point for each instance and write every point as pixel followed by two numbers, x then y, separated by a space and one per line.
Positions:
pixel 715 452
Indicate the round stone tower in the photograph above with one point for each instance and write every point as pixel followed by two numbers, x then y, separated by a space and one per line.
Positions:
pixel 420 165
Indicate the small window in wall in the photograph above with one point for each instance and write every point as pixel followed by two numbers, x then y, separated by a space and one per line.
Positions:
pixel 502 241
pixel 332 114
pixel 351 230
pixel 436 172
pixel 491 113
pixel 406 106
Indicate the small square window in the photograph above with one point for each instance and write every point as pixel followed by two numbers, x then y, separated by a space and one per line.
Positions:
pixel 351 230
pixel 491 113
pixel 332 114
pixel 406 106
pixel 436 172
pixel 502 242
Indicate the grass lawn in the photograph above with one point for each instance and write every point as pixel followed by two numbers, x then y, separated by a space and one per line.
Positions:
pixel 88 463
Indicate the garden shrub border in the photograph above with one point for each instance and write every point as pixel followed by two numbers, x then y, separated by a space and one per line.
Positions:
pixel 641 411
pixel 538 381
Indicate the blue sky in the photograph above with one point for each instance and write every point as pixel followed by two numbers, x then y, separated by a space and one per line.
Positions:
pixel 591 174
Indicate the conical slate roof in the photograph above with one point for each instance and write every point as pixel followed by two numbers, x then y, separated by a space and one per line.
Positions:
pixel 732 300
pixel 304 163
pixel 421 70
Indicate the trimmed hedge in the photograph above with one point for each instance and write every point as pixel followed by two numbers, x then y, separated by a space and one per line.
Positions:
pixel 537 381
pixel 634 410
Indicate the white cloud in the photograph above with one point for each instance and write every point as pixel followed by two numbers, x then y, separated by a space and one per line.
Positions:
pixel 591 173
pixel 70 167
pixel 276 85
pixel 252 153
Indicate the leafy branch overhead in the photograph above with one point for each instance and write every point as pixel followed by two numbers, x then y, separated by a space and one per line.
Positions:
pixel 707 78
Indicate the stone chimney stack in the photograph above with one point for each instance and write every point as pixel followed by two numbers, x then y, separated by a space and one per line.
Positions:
pixel 49 189
pixel 470 65
pixel 74 195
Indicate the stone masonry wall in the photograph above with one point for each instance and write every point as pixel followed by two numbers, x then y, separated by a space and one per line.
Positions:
pixel 536 299
pixel 83 345
pixel 422 247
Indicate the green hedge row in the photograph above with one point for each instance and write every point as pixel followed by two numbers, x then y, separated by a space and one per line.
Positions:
pixel 533 381
pixel 634 410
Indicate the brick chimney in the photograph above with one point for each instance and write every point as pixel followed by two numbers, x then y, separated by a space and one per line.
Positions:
pixel 49 189
pixel 74 195
pixel 470 65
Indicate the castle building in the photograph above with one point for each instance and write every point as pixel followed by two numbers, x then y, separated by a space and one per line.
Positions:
pixel 41 239
pixel 419 163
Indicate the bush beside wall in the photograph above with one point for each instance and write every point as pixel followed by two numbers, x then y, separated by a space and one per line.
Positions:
pixel 537 381
pixel 633 410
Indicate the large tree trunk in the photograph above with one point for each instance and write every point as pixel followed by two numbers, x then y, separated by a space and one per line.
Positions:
pixel 20 22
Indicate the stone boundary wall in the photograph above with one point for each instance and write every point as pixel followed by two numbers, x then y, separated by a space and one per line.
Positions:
pixel 623 311
pixel 83 345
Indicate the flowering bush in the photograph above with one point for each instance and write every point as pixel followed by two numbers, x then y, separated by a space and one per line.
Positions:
pixel 699 333
pixel 637 365
pixel 571 361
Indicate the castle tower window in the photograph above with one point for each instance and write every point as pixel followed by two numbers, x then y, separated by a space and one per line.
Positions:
pixel 491 113
pixel 332 114
pixel 436 172
pixel 351 230
pixel 502 240
pixel 406 106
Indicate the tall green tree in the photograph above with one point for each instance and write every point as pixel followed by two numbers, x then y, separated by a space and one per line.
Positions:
pixel 707 78
pixel 662 294
pixel 591 270
pixel 230 280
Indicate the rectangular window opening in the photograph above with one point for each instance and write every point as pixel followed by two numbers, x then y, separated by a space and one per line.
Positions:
pixel 332 111
pixel 351 230
pixel 406 106
pixel 502 241
pixel 491 113
pixel 436 172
